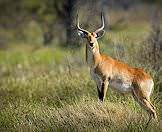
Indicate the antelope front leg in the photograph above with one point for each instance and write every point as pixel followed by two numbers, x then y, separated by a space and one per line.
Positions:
pixel 99 87
pixel 104 87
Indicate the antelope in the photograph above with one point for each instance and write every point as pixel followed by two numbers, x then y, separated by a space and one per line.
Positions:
pixel 106 71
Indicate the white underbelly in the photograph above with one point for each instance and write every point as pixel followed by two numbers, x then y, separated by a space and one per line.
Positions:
pixel 122 86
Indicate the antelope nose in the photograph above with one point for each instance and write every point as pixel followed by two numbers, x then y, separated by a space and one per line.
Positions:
pixel 91 44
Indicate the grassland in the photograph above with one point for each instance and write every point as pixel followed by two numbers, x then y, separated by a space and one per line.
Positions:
pixel 50 89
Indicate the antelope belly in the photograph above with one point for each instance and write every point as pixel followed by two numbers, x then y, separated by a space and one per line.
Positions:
pixel 120 85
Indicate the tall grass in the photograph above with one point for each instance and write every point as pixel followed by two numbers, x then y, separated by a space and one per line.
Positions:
pixel 50 89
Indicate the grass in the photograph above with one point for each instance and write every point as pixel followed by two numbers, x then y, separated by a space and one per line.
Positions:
pixel 50 89
pixel 38 93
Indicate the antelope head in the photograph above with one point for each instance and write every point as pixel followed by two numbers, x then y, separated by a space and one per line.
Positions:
pixel 91 37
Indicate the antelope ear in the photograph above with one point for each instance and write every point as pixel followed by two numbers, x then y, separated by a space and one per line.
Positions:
pixel 82 34
pixel 100 34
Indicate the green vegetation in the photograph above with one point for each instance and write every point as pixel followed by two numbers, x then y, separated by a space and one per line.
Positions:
pixel 45 85
pixel 50 89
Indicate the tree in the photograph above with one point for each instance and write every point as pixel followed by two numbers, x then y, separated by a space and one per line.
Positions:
pixel 66 13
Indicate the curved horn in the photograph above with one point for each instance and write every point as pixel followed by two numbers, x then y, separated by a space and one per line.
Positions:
pixel 103 24
pixel 79 28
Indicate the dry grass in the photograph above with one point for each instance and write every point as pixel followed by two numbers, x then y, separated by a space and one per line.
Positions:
pixel 47 95
pixel 50 89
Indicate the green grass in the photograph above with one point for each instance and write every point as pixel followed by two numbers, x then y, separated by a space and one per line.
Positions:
pixel 50 89
pixel 39 92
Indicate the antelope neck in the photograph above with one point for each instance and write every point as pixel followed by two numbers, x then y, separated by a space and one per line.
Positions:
pixel 93 58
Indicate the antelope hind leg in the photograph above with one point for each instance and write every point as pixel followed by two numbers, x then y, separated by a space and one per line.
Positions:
pixel 145 103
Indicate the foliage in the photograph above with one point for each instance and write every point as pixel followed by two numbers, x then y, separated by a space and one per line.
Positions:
pixel 48 88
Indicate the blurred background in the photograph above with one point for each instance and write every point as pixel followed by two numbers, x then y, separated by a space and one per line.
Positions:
pixel 42 60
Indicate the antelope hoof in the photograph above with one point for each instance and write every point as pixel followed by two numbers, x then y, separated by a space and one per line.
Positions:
pixel 101 100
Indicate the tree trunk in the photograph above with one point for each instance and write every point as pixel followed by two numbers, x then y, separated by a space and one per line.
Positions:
pixel 69 9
